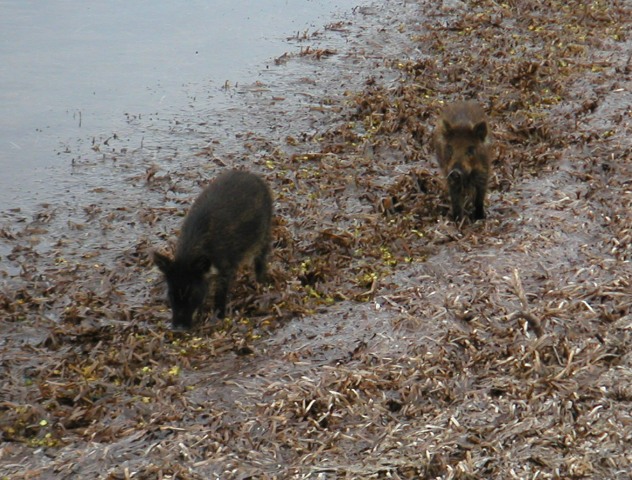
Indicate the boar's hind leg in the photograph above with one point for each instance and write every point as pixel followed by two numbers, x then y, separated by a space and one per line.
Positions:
pixel 224 281
pixel 261 268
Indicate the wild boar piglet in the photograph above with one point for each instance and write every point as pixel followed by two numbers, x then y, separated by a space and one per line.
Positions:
pixel 461 143
pixel 228 224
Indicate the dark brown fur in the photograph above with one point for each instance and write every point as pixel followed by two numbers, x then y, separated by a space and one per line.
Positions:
pixel 229 222
pixel 462 148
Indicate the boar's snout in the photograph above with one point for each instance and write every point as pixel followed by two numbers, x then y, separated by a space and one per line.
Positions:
pixel 456 176
pixel 182 319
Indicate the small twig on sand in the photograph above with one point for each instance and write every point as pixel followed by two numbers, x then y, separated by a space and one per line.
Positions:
pixel 371 291
pixel 533 322
pixel 517 284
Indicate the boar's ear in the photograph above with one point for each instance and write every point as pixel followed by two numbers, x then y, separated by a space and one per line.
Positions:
pixel 162 261
pixel 480 130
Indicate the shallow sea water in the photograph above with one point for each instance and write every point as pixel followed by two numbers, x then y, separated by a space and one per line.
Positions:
pixel 75 73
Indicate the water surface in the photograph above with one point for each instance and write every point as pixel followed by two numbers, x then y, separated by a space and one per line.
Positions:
pixel 78 70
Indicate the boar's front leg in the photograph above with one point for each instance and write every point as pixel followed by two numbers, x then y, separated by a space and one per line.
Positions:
pixel 222 287
pixel 480 186
pixel 455 184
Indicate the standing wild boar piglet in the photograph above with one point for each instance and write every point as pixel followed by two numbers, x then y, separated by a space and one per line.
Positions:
pixel 462 147
pixel 228 223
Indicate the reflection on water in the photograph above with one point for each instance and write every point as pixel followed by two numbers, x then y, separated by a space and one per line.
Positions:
pixel 74 69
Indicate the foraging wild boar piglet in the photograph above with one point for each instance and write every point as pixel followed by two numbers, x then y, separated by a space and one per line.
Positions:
pixel 462 147
pixel 228 223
